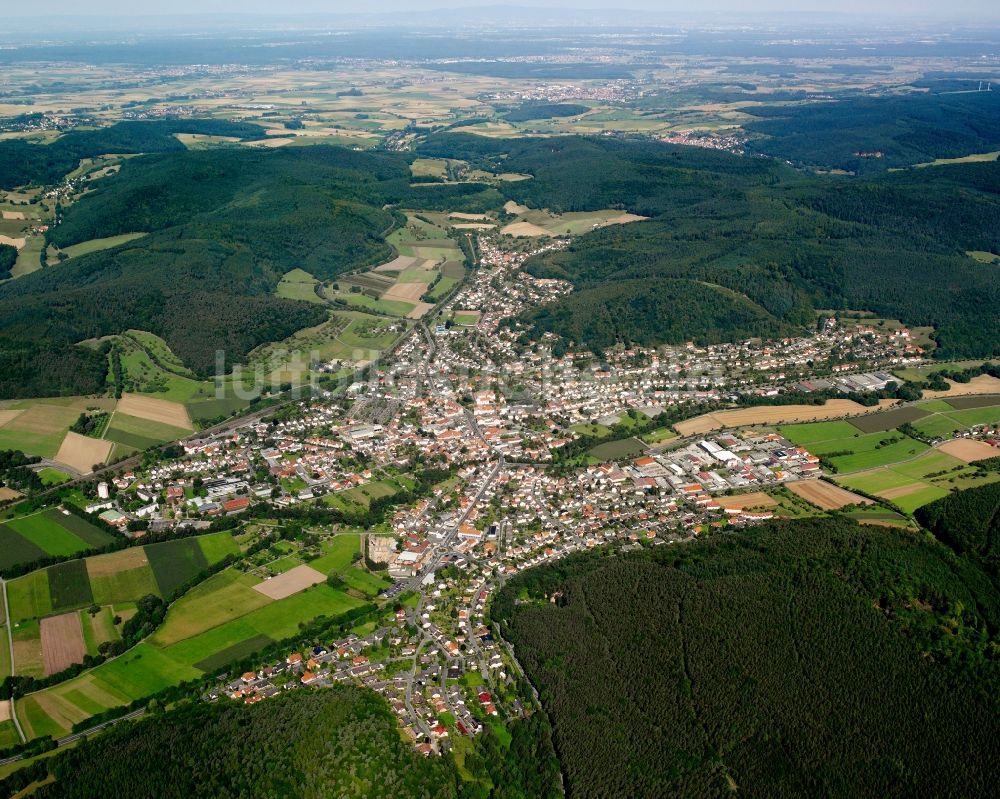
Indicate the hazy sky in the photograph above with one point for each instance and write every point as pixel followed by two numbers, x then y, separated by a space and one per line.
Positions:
pixel 970 11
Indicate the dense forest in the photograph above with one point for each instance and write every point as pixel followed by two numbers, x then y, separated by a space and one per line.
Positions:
pixel 787 242
pixel 22 162
pixel 864 134
pixel 340 742
pixel 804 658
pixel 223 227
pixel 8 257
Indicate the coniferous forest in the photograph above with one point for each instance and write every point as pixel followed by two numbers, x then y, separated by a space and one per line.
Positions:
pixel 808 658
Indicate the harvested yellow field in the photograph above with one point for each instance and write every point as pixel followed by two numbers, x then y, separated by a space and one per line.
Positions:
pixel 156 410
pixel 469 217
pixel 19 243
pixel 474 226
pixel 902 491
pixel 825 496
pixel 421 309
pixel 524 230
pixel 758 499
pixel 115 562
pixel 512 207
pixel 981 384
pixel 776 414
pixel 398 265
pixel 14 215
pixel 82 453
pixel 291 582
pixel 407 292
pixel 969 450
pixel 7 416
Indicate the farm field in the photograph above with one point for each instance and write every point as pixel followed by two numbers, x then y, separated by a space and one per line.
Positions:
pixel 48 532
pixel 868 451
pixel 137 433
pixel 962 414
pixel 757 499
pixel 824 495
pixel 38 426
pixel 150 667
pixel 910 485
pixel 616 450
pixel 116 577
pixel 774 414
pixel 298 285
pixel 537 223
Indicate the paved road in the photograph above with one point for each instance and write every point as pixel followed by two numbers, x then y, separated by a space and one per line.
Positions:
pixel 10 645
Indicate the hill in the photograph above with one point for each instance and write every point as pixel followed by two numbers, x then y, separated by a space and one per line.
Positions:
pixel 808 658
pixel 785 243
pixel 222 228
pixel 23 162
pixel 338 742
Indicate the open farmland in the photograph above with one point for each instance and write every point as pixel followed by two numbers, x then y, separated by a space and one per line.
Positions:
pixel 969 450
pixel 62 642
pixel 889 420
pixel 116 577
pixel 774 414
pixel 171 414
pixel 824 495
pixel 290 582
pixel 38 426
pixel 82 453
pixel 152 666
pixel 48 532
pixel 757 499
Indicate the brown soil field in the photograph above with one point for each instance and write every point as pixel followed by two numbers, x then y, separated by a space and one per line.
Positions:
pixel 775 414
pixel 13 215
pixel 512 207
pixel 469 217
pixel 115 562
pixel 6 416
pixel 4 710
pixel 758 499
pixel 407 292
pixel 291 582
pixel 19 243
pixel 969 450
pixel 156 410
pixel 474 226
pixel 7 494
pixel 398 265
pixel 982 384
pixel 81 452
pixel 62 642
pixel 420 310
pixel 524 230
pixel 825 496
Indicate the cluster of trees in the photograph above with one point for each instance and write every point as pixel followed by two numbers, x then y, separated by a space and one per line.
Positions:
pixel 15 472
pixel 8 257
pixel 803 658
pixel 90 423
pixel 528 111
pixel 338 742
pixel 968 521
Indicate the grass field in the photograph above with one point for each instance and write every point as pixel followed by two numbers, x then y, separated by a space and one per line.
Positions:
pixel 337 553
pixel 298 285
pixel 141 433
pixel 807 435
pixel 47 532
pixel 889 420
pixel 616 450
pixel 117 577
pixel 96 245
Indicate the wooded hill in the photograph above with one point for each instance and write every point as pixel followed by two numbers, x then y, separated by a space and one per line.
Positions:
pixel 807 658
pixel 737 244
pixel 223 227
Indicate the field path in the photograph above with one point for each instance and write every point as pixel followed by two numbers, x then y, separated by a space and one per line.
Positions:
pixel 10 644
